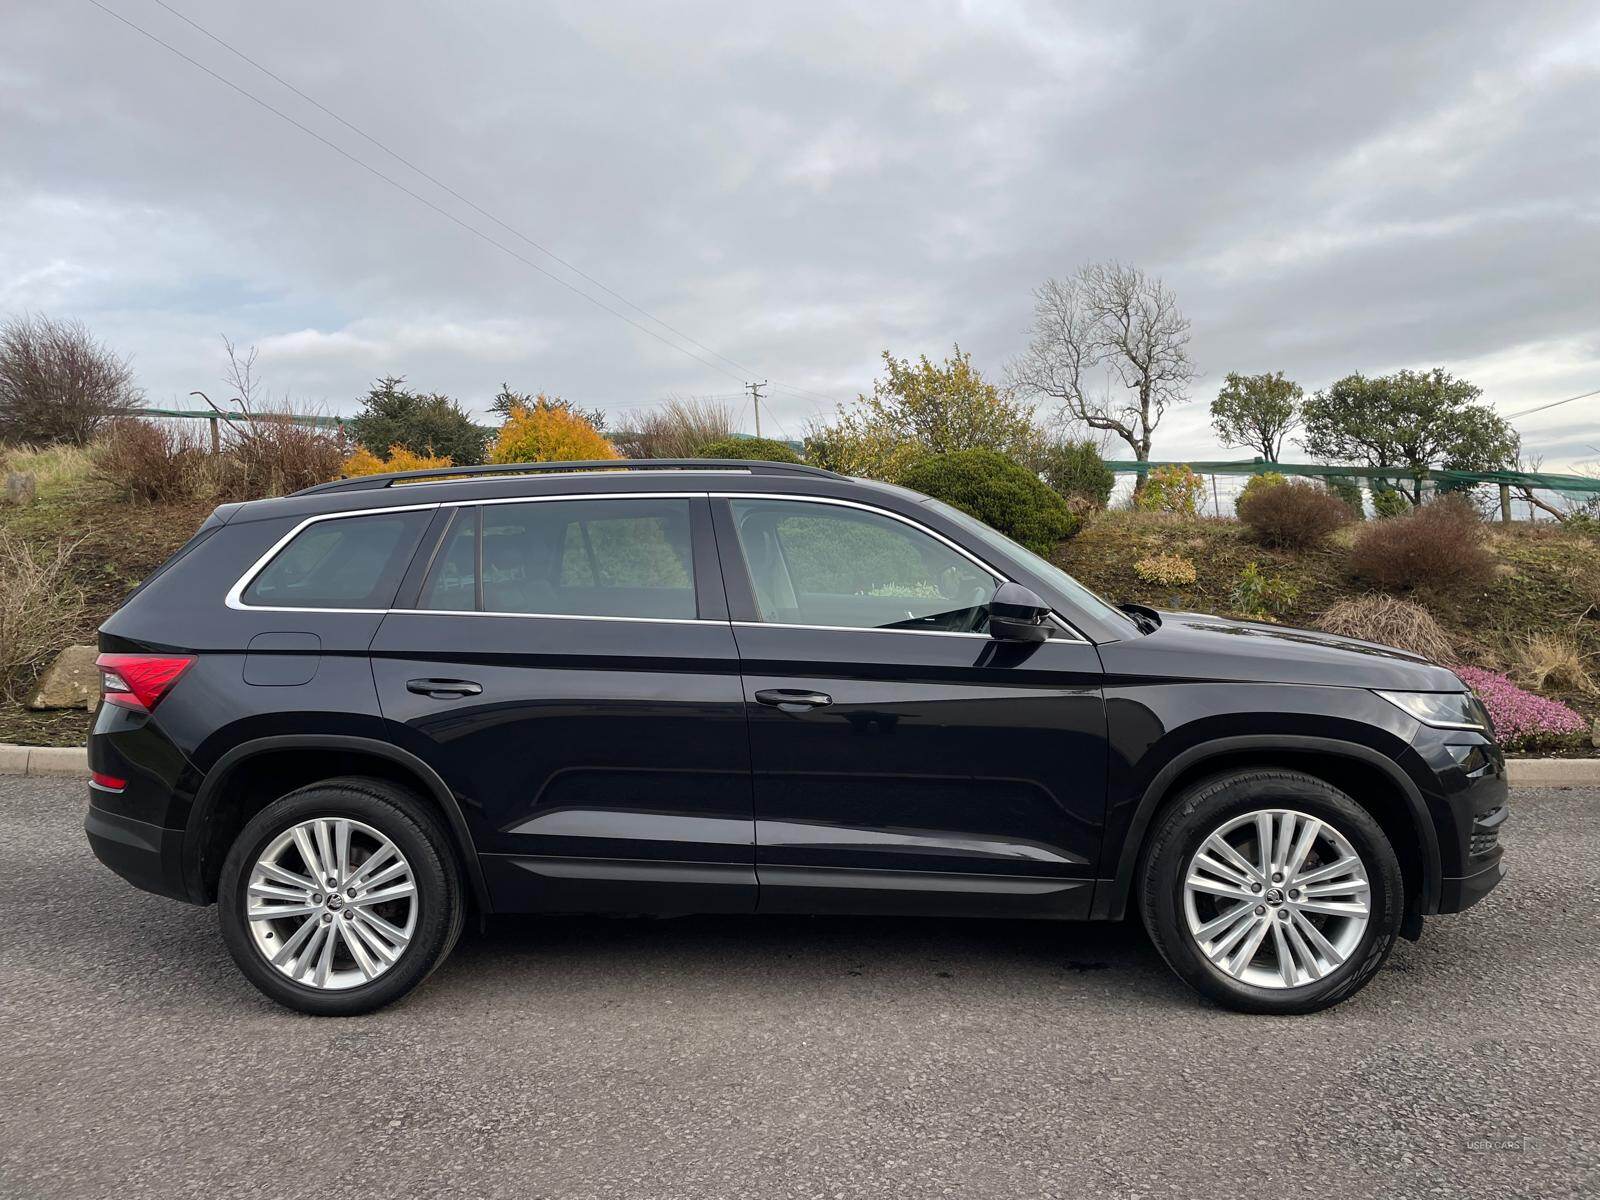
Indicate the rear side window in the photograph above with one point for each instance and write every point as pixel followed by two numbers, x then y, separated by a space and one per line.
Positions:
pixel 580 558
pixel 345 562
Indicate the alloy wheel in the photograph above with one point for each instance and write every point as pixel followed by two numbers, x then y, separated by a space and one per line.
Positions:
pixel 1276 898
pixel 331 903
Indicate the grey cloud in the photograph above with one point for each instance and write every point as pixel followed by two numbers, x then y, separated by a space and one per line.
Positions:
pixel 1327 189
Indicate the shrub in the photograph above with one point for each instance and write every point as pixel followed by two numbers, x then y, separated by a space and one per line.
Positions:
pixel 1256 483
pixel 1547 659
pixel 1391 622
pixel 546 433
pixel 763 449
pixel 57 383
pixel 1521 719
pixel 40 608
pixel 422 422
pixel 989 486
pixel 1168 570
pixel 272 455
pixel 1389 502
pixel 364 462
pixel 1440 545
pixel 1076 470
pixel 1174 489
pixel 1292 515
pixel 1261 594
pixel 153 463
pixel 678 429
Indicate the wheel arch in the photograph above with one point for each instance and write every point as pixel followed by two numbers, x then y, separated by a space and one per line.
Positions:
pixel 261 770
pixel 1371 779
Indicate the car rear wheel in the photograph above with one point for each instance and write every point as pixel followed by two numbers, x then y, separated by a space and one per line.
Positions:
pixel 1271 892
pixel 341 897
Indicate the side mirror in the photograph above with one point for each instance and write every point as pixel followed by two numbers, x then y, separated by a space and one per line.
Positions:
pixel 1016 614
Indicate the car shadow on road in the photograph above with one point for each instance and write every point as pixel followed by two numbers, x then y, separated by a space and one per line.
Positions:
pixel 782 953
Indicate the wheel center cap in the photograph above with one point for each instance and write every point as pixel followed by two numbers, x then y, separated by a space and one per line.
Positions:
pixel 335 901
pixel 1274 896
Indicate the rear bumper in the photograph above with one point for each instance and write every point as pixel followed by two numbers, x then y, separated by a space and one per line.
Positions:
pixel 148 856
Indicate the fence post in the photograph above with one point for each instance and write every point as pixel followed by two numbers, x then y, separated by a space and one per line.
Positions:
pixel 216 437
pixel 1215 503
pixel 1505 504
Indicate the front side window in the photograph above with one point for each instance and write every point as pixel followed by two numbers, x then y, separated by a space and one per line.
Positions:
pixel 827 564
pixel 596 558
pixel 346 562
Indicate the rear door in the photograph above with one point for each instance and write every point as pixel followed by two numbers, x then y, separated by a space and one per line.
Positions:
pixel 903 760
pixel 568 668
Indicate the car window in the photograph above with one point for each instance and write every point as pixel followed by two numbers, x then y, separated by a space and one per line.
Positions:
pixel 827 564
pixel 453 582
pixel 602 558
pixel 347 562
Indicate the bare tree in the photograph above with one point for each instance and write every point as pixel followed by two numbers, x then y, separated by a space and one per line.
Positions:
pixel 1109 344
pixel 57 383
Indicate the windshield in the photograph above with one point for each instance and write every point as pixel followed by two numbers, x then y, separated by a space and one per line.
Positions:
pixel 1054 575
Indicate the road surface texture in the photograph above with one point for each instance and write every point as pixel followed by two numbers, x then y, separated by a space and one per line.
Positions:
pixel 750 1057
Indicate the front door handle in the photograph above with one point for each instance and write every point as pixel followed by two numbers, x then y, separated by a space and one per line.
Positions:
pixel 443 689
pixel 791 701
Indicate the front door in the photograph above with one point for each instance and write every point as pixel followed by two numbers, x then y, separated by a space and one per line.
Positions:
pixel 569 671
pixel 904 761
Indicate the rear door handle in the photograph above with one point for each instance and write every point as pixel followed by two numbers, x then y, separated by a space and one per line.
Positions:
pixel 791 701
pixel 443 689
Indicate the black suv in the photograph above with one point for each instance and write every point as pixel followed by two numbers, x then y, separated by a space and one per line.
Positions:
pixel 351 715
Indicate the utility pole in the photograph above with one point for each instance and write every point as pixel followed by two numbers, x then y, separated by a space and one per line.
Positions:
pixel 755 400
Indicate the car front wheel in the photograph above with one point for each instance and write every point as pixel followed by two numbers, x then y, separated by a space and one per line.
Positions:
pixel 1271 892
pixel 340 897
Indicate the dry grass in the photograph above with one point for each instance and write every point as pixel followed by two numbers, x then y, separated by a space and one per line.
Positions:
pixel 40 609
pixel 1551 661
pixel 154 462
pixel 679 429
pixel 1399 623
pixel 51 466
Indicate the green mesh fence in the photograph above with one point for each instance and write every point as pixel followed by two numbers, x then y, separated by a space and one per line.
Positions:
pixel 1580 485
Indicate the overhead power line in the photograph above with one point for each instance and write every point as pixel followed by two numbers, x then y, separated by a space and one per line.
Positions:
pixel 443 186
pixel 1553 404
pixel 420 199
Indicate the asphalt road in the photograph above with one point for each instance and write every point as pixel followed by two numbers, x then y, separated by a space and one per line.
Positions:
pixel 750 1057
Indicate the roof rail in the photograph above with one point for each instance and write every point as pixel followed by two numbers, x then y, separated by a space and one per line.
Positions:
pixel 491 470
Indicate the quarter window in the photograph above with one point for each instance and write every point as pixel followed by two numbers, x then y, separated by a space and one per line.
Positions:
pixel 826 564
pixel 346 562
pixel 597 558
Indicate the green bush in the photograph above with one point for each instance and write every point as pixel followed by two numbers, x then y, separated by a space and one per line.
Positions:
pixel 424 423
pixel 1389 502
pixel 760 449
pixel 1257 483
pixel 1261 594
pixel 989 486
pixel 1174 489
pixel 1076 469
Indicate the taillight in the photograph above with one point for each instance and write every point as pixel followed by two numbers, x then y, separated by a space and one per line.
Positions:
pixel 107 783
pixel 138 681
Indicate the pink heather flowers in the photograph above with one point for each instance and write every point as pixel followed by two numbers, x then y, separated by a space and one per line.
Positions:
pixel 1519 716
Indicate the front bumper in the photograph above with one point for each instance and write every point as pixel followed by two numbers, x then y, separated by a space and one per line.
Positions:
pixel 148 856
pixel 1462 892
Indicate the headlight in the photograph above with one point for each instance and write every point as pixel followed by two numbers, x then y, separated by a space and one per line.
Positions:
pixel 1442 710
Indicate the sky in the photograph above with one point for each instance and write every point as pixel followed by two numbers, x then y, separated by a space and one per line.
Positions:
pixel 800 187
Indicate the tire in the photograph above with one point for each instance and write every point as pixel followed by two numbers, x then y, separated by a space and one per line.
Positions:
pixel 344 969
pixel 1284 970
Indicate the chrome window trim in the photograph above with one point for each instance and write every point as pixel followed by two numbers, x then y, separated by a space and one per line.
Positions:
pixel 233 599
